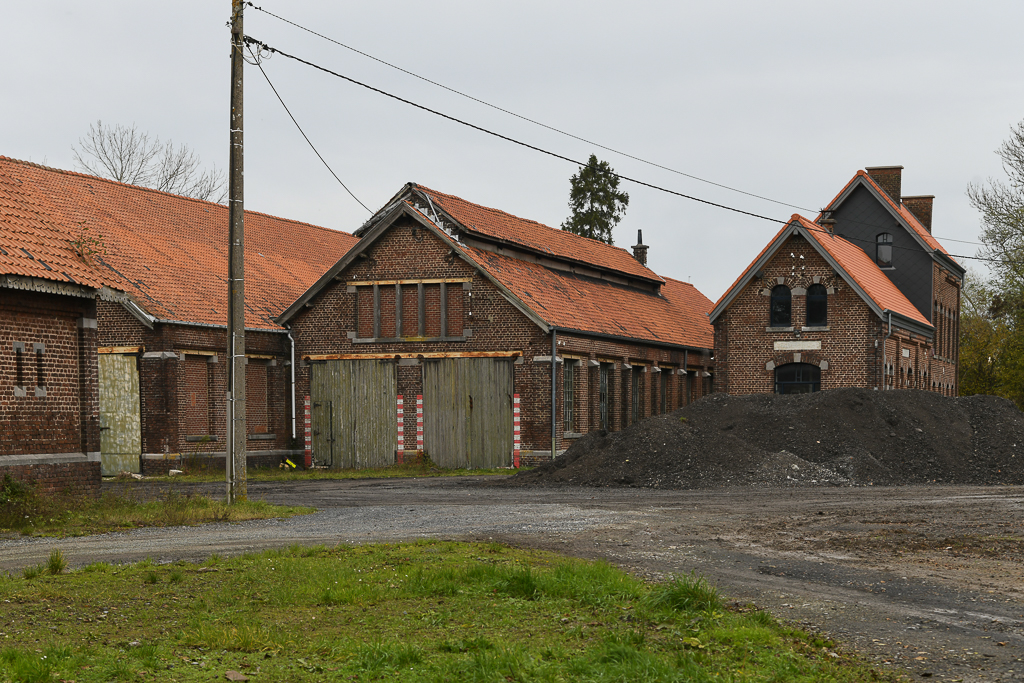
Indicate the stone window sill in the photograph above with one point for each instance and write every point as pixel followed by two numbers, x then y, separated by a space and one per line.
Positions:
pixel 816 328
pixel 199 438
pixel 572 435
pixel 262 437
pixel 778 329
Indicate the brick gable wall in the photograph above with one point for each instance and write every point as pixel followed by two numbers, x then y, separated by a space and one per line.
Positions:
pixel 407 252
pixel 854 345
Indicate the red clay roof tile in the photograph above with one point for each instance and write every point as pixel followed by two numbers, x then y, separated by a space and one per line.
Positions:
pixel 864 271
pixel 495 224
pixel 169 252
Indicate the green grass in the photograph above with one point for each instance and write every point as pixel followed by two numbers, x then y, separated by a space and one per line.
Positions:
pixel 25 511
pixel 425 611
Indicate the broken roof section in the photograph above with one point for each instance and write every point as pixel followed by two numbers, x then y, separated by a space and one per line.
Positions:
pixel 556 278
pixel 850 261
pixel 168 252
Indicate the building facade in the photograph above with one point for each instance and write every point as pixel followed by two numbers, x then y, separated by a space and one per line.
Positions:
pixel 436 334
pixel 864 296
pixel 158 264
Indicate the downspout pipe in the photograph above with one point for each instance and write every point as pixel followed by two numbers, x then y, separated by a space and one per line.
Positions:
pixel 885 343
pixel 554 394
pixel 291 339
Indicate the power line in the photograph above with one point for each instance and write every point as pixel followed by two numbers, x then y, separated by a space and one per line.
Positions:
pixel 272 50
pixel 526 118
pixel 544 125
pixel 264 46
pixel 256 61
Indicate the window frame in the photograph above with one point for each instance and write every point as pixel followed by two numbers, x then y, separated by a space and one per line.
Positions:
pixel 816 294
pixel 775 318
pixel 883 245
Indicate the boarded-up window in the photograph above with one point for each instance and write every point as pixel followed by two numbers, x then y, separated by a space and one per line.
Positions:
pixel 455 310
pixel 364 312
pixel 433 299
pixel 197 396
pixel 410 310
pixel 256 398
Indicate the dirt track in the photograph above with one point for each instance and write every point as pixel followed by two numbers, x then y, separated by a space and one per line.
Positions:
pixel 927 578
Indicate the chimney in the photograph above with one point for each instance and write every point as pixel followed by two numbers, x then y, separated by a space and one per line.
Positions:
pixel 889 178
pixel 921 207
pixel 828 223
pixel 640 249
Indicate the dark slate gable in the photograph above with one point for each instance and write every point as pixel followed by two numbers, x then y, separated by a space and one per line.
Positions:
pixel 860 218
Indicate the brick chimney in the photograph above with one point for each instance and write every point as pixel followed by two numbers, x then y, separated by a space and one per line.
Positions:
pixel 640 249
pixel 889 178
pixel 921 207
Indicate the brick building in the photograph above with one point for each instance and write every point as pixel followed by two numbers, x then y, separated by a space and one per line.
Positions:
pixel 161 324
pixel 864 296
pixel 49 410
pixel 437 332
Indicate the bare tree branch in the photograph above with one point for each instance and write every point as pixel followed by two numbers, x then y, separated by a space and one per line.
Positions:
pixel 129 156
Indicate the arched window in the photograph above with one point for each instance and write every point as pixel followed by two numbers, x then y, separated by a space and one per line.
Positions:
pixel 817 306
pixel 797 378
pixel 781 307
pixel 883 250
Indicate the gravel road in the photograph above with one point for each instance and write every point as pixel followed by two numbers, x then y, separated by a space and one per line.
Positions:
pixel 927 579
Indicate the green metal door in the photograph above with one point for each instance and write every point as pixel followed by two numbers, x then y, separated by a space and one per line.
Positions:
pixel 354 413
pixel 120 424
pixel 467 412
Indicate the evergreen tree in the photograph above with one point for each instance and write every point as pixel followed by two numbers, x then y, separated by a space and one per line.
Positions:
pixel 596 203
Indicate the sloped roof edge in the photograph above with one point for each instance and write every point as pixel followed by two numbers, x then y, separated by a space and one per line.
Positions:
pixel 371 235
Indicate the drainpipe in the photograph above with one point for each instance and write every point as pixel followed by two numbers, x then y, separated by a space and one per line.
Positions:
pixel 554 396
pixel 292 340
pixel 884 359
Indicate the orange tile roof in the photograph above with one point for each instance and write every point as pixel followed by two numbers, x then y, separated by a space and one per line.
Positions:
pixel 899 208
pixel 678 316
pixel 168 252
pixel 498 225
pixel 864 271
pixel 746 270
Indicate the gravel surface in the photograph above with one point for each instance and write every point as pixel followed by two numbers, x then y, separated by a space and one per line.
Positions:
pixel 840 437
pixel 923 578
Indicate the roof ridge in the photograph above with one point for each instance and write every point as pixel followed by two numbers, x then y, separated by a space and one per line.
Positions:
pixel 79 174
pixel 520 218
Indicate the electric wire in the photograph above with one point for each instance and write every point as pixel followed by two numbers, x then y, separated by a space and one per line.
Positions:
pixel 263 46
pixel 526 118
pixel 544 125
pixel 256 61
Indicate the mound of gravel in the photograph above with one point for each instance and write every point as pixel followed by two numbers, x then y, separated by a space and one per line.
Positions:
pixel 840 437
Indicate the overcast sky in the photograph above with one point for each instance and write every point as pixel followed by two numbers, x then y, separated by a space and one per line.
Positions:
pixel 784 99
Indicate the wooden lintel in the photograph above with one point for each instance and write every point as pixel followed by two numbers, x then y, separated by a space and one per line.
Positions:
pixel 121 349
pixel 427 355
pixel 188 352
pixel 414 281
pixel 257 356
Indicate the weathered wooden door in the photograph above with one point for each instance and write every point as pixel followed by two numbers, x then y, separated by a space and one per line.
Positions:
pixel 354 413
pixel 120 423
pixel 467 412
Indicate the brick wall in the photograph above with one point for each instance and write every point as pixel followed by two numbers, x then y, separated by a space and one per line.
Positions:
pixel 69 478
pixel 49 419
pixel 183 398
pixel 496 326
pixel 853 344
pixel 55 409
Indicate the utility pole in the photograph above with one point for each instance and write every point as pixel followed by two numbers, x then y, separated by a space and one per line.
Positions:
pixel 234 465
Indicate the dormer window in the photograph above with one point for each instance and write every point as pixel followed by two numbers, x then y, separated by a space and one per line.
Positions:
pixel 883 250
pixel 817 306
pixel 781 306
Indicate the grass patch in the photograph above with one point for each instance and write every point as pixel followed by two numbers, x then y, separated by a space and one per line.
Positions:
pixel 26 511
pixel 425 611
